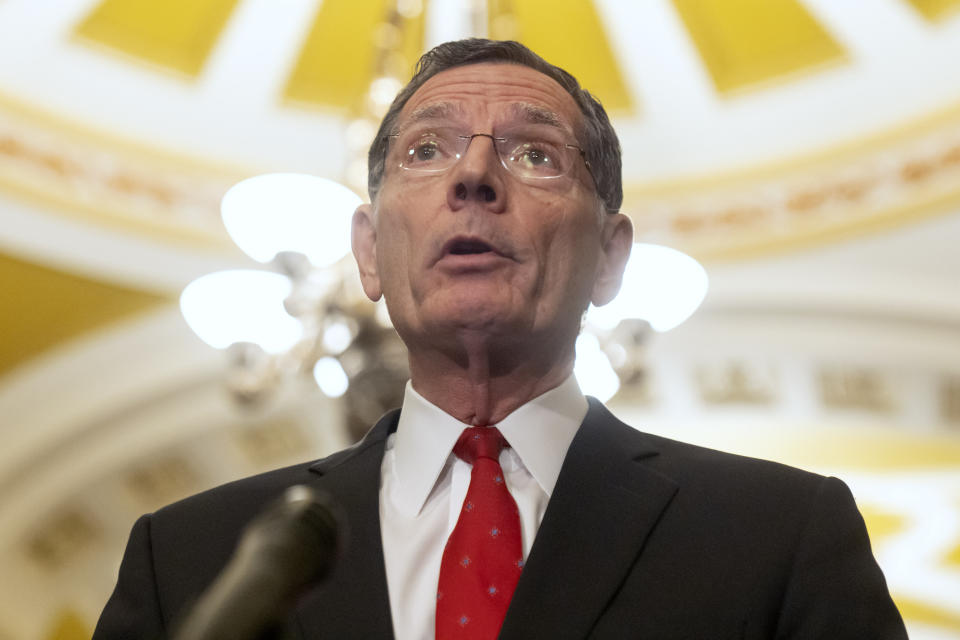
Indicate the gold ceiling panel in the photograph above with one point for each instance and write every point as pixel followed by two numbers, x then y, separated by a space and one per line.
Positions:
pixel 351 43
pixel 44 307
pixel 929 614
pixel 176 34
pixel 569 34
pixel 68 625
pixel 952 559
pixel 935 9
pixel 880 523
pixel 745 42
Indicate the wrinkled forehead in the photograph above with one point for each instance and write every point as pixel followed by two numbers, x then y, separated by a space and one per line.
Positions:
pixel 490 94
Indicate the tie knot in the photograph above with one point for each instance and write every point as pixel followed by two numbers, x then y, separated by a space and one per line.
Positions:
pixel 480 442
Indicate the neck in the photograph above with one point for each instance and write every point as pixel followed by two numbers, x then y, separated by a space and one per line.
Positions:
pixel 481 383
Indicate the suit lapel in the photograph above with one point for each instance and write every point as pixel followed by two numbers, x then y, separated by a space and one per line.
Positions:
pixel 353 601
pixel 604 506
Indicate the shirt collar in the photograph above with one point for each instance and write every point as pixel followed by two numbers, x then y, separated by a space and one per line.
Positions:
pixel 540 432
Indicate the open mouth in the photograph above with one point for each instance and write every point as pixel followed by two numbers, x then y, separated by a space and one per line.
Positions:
pixel 469 247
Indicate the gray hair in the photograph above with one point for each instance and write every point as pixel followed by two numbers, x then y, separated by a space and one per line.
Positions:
pixel 601 146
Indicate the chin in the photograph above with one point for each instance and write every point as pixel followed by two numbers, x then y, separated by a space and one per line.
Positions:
pixel 476 314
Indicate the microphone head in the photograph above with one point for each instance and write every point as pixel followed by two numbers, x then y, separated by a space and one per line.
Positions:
pixel 285 549
pixel 297 537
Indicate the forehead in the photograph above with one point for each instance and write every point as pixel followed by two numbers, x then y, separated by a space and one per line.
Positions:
pixel 492 90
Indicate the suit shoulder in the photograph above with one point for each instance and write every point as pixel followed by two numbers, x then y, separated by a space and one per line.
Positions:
pixel 237 496
pixel 694 465
pixel 720 487
pixel 253 492
pixel 700 459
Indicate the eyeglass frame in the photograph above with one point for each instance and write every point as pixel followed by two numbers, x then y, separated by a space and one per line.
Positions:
pixel 495 140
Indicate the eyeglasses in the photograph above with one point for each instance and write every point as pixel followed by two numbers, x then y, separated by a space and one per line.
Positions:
pixel 530 156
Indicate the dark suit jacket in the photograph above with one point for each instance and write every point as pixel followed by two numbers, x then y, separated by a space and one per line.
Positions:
pixel 643 537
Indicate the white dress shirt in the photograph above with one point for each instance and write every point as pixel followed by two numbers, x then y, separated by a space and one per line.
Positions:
pixel 423 486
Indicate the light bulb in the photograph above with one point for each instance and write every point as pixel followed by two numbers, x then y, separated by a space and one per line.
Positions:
pixel 276 212
pixel 330 377
pixel 592 369
pixel 227 307
pixel 660 285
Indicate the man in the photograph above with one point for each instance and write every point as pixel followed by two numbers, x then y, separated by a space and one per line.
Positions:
pixel 493 223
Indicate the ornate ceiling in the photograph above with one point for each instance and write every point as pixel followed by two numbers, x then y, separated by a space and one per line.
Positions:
pixel 808 152
pixel 748 127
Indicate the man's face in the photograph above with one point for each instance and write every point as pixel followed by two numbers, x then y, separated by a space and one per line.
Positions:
pixel 476 247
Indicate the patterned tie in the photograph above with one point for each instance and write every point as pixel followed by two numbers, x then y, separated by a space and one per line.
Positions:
pixel 483 557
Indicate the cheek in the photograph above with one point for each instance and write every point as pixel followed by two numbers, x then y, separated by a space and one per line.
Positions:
pixel 391 252
pixel 570 260
pixel 402 241
pixel 392 227
pixel 567 240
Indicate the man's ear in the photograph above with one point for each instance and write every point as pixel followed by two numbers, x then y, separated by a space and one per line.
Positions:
pixel 617 239
pixel 363 239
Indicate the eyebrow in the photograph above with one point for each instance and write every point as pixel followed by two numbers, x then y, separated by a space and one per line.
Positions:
pixel 437 111
pixel 534 114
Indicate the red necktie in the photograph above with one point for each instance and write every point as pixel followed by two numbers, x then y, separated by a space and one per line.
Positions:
pixel 483 557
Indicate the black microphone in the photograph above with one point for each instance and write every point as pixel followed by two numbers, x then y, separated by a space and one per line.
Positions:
pixel 283 550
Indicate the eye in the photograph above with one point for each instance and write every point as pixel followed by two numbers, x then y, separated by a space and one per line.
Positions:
pixel 426 151
pixel 536 157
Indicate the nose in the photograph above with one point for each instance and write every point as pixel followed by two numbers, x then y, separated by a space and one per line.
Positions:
pixel 478 177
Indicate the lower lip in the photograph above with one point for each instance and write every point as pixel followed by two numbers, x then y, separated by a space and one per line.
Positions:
pixel 462 262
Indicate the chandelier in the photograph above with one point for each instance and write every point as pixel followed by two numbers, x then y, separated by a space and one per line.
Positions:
pixel 304 314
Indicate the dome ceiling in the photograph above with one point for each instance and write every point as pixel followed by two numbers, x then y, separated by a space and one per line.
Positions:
pixel 807 151
pixel 748 128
